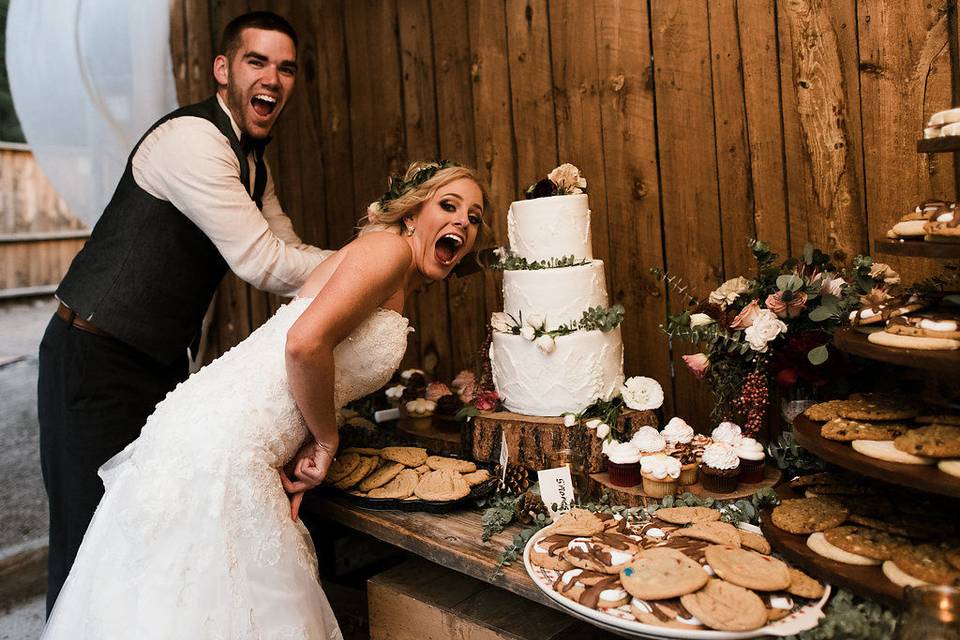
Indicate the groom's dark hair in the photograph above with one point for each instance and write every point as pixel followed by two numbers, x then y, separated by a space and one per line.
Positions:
pixel 266 20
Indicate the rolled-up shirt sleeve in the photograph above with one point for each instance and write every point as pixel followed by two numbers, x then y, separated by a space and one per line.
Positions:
pixel 189 163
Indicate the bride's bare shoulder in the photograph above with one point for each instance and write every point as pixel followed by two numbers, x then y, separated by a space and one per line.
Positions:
pixel 386 244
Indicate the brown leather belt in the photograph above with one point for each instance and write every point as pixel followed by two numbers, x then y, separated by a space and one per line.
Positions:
pixel 68 316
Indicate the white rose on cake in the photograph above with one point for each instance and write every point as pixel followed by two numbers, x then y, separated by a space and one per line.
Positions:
pixel 545 343
pixel 528 332
pixel 568 179
pixel 535 320
pixel 603 430
pixel 729 291
pixel 766 327
pixel 642 393
pixel 569 419
pixel 500 321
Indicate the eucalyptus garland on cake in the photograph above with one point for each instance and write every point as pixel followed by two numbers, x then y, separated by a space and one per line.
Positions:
pixel 509 261
pixel 533 327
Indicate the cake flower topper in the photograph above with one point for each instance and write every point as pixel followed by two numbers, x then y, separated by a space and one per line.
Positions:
pixel 562 181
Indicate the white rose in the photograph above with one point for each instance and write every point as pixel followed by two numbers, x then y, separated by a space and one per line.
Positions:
pixel 500 322
pixel 528 332
pixel 642 394
pixel 535 320
pixel 699 320
pixel 593 424
pixel 567 178
pixel 765 328
pixel 729 291
pixel 569 419
pixel 603 430
pixel 545 342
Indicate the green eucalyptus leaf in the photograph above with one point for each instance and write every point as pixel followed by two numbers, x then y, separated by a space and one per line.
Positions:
pixel 821 313
pixel 818 355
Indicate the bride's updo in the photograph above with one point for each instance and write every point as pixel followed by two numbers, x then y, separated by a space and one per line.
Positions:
pixel 407 193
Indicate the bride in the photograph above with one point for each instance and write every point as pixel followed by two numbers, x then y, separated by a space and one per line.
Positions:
pixel 194 536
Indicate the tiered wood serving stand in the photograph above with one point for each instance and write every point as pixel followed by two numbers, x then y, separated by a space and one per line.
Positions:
pixel 940 369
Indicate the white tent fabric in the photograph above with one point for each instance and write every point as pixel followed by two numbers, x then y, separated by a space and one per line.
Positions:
pixel 88 77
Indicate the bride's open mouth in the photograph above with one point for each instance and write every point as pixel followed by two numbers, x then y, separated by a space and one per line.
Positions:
pixel 263 104
pixel 447 247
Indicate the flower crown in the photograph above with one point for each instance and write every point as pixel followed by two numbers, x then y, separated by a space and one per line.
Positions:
pixel 399 186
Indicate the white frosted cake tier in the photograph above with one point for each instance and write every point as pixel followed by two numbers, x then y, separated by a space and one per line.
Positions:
pixel 559 295
pixel 585 365
pixel 553 227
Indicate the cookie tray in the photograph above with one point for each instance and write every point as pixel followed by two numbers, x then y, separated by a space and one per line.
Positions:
pixel 923 477
pixel 856 343
pixel 917 248
pixel 482 490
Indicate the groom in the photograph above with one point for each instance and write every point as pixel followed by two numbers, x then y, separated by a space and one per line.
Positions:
pixel 196 199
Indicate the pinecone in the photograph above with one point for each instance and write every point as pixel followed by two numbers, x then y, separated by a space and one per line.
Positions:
pixel 517 480
pixel 528 506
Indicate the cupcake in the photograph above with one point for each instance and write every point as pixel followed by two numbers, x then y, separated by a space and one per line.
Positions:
pixel 623 463
pixel 699 443
pixel 689 465
pixel 677 432
pixel 660 474
pixel 395 394
pixel 649 440
pixel 727 432
pixel 720 468
pixel 752 458
pixel 421 413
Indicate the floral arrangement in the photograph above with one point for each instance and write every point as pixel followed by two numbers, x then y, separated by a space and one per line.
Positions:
pixel 776 325
pixel 512 262
pixel 397 186
pixel 564 180
pixel 602 417
pixel 533 328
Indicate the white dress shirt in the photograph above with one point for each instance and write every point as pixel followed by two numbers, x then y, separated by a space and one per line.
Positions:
pixel 189 163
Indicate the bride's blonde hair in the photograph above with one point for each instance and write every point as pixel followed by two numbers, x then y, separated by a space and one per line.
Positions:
pixel 407 194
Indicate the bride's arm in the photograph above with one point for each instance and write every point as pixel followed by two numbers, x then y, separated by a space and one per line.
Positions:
pixel 372 270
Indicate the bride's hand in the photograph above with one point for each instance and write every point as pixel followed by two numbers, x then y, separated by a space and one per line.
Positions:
pixel 309 467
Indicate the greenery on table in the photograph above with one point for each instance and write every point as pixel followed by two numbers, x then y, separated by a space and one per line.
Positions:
pixel 852 618
pixel 793 459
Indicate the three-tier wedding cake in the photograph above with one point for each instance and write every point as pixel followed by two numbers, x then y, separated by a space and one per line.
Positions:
pixel 556 346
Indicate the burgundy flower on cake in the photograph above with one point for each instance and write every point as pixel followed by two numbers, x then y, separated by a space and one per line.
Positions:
pixel 486 400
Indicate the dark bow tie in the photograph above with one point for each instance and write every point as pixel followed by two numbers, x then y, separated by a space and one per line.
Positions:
pixel 249 143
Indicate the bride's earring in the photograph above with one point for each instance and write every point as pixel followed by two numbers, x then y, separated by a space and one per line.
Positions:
pixel 410 230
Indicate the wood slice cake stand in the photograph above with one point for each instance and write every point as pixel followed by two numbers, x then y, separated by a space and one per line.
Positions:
pixel 533 441
pixel 866 581
pixel 441 435
pixel 923 477
pixel 635 497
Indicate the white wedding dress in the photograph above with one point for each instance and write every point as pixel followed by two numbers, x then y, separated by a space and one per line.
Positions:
pixel 193 537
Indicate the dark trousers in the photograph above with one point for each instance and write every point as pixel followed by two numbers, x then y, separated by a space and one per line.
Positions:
pixel 94 395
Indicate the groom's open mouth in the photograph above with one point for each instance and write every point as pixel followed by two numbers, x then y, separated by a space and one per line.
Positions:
pixel 264 104
pixel 447 247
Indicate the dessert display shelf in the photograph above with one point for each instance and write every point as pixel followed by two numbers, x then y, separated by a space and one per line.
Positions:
pixel 865 581
pixel 945 144
pixel 635 497
pixel 922 477
pixel 856 343
pixel 917 248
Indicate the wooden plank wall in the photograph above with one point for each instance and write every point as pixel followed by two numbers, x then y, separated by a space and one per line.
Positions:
pixel 697 123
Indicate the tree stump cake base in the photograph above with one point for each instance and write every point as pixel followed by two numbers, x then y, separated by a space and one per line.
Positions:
pixel 437 435
pixel 533 441
pixel 635 497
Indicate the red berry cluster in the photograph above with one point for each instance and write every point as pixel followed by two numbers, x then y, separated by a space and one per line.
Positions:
pixel 753 402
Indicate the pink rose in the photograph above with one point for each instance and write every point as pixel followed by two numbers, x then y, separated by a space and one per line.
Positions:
pixel 466 393
pixel 486 400
pixel 790 309
pixel 746 316
pixel 464 378
pixel 698 363
pixel 436 390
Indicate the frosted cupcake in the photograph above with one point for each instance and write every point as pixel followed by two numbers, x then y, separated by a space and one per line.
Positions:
pixel 720 468
pixel 660 474
pixel 677 432
pixel 727 432
pixel 752 458
pixel 421 413
pixel 679 436
pixel 649 441
pixel 623 463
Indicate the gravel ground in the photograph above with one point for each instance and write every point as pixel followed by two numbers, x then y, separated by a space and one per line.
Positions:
pixel 23 503
pixel 23 621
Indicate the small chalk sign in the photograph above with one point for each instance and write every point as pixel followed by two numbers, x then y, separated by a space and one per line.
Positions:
pixel 556 490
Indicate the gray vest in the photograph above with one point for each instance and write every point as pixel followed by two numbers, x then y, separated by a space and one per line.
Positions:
pixel 147 274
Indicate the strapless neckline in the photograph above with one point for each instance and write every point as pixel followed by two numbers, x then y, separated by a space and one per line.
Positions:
pixel 378 310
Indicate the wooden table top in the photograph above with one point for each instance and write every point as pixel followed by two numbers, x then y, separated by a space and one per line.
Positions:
pixel 451 540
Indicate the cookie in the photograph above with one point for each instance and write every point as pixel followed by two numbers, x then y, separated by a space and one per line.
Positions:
pixel 578 522
pixel 726 607
pixel 661 572
pixel 401 487
pixel 888 452
pixel 477 477
pixel 664 613
pixel 779 604
pixel 879 407
pixel 824 411
pixel 547 561
pixel 747 568
pixel 715 532
pixel 687 515
pixel 927 562
pixel 803 586
pixel 941 418
pixel 864 541
pixel 387 472
pixel 593 555
pixel 460 466
pixel 442 485
pixel 824 477
pixel 422 469
pixel 926 325
pixel 807 515
pixel 873 506
pixel 367 464
pixel 363 451
pixel 934 441
pixel 899 577
pixel 918 343
pixel 753 541
pixel 341 467
pixel 897 524
pixel 844 430
pixel 951 467
pixel 407 456
pixel 819 545
pixel 838 490
pixel 611 597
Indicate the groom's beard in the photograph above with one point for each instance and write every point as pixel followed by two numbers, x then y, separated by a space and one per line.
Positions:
pixel 239 102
